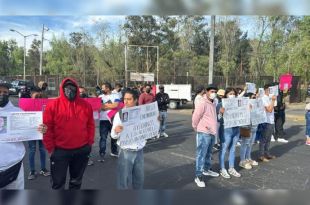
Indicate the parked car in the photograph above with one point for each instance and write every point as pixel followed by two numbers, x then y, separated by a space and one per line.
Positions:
pixel 21 88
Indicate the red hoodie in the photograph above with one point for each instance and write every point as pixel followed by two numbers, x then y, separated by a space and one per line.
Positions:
pixel 70 124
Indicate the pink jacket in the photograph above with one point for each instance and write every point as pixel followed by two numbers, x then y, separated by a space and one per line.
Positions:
pixel 204 118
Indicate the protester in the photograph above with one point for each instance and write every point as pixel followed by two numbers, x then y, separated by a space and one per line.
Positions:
pixel 229 139
pixel 130 172
pixel 220 95
pixel 200 91
pixel 118 90
pixel 163 100
pixel 279 117
pixel 43 86
pixel 12 153
pixel 37 93
pixel 268 127
pixel 146 97
pixel 109 102
pixel 205 124
pixel 307 124
pixel 70 135
pixel 247 142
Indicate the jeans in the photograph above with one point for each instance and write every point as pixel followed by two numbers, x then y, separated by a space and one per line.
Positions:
pixel 130 170
pixel 308 123
pixel 105 128
pixel 279 119
pixel 163 120
pixel 74 159
pixel 229 141
pixel 32 151
pixel 264 144
pixel 204 144
pixel 246 145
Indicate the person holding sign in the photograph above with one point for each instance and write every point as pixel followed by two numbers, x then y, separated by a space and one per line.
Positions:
pixel 268 127
pixel 204 122
pixel 12 153
pixel 307 124
pixel 130 171
pixel 70 135
pixel 229 139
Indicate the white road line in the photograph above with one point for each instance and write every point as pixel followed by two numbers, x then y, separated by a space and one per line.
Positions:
pixel 183 156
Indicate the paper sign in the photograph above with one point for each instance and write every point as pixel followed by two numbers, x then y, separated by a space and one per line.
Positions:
pixel 111 113
pixel 258 113
pixel 251 87
pixel 274 90
pixel 286 81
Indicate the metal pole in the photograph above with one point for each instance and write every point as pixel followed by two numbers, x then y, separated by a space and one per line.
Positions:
pixel 147 59
pixel 126 76
pixel 157 63
pixel 41 52
pixel 211 58
pixel 24 58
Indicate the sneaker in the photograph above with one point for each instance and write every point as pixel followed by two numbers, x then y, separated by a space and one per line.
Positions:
pixel 158 136
pixel 238 144
pixel 199 181
pixel 244 164
pixel 272 139
pixel 225 174
pixel 32 175
pixel 253 162
pixel 90 162
pixel 282 140
pixel 233 172
pixel 101 158
pixel 210 173
pixel 165 135
pixel 308 142
pixel 263 159
pixel 113 155
pixel 45 172
pixel 270 157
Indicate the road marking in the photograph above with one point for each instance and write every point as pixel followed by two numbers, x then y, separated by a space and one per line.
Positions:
pixel 183 156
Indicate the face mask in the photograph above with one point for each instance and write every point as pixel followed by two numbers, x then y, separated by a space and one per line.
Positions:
pixel 83 95
pixel 212 96
pixel 148 90
pixel 231 96
pixel 4 99
pixel 162 90
pixel 70 92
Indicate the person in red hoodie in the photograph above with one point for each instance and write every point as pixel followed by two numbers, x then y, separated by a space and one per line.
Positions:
pixel 70 135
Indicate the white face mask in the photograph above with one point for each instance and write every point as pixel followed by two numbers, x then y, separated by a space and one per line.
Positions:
pixel 212 96
pixel 231 96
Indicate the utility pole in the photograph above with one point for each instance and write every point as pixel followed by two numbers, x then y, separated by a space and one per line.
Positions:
pixel 126 72
pixel 211 58
pixel 41 52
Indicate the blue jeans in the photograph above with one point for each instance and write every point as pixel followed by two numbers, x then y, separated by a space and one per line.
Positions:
pixel 246 145
pixel 32 151
pixel 204 144
pixel 163 120
pixel 308 123
pixel 229 141
pixel 130 173
pixel 105 128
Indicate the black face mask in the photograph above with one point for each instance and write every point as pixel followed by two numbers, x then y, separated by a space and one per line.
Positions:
pixel 70 92
pixel 162 90
pixel 83 95
pixel 148 90
pixel 4 100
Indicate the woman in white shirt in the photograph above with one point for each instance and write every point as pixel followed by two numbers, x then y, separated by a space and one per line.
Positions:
pixel 130 173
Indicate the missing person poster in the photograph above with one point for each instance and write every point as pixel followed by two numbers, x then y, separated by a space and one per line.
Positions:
pixel 140 123
pixel 237 112
pixel 20 126
pixel 258 113
pixel 251 87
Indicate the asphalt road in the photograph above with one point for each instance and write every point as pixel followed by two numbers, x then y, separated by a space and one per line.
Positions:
pixel 170 162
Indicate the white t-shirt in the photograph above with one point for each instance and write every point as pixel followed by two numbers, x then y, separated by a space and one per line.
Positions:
pixel 270 115
pixel 112 98
pixel 10 152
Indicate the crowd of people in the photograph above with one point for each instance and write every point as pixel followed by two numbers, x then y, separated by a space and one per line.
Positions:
pixel 69 133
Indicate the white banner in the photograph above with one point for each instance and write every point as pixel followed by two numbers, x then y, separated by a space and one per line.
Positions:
pixel 20 126
pixel 140 123
pixel 274 90
pixel 237 112
pixel 251 87
pixel 258 113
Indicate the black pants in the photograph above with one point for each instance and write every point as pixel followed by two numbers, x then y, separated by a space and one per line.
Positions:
pixel 105 128
pixel 75 159
pixel 264 144
pixel 279 119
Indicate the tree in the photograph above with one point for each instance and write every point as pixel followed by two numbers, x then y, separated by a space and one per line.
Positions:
pixel 33 59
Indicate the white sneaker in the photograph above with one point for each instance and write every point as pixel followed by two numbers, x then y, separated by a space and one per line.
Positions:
pixel 282 140
pixel 210 173
pixel 165 134
pixel 225 174
pixel 245 164
pixel 199 181
pixel 253 162
pixel 113 155
pixel 233 172
pixel 238 144
pixel 272 138
pixel 158 136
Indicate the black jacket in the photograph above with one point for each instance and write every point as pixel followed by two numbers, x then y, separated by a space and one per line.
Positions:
pixel 163 101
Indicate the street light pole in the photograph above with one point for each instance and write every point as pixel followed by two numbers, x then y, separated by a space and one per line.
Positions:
pixel 25 36
pixel 41 52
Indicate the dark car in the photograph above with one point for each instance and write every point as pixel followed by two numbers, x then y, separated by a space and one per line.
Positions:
pixel 21 87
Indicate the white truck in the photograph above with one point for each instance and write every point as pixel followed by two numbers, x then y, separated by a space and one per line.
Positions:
pixel 179 94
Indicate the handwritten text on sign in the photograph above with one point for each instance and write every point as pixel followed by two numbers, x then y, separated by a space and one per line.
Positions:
pixel 258 113
pixel 140 123
pixel 237 112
